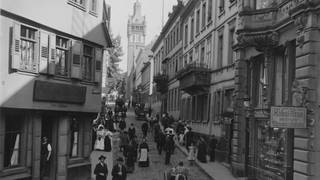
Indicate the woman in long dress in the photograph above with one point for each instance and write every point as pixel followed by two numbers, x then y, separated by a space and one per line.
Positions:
pixel 143 154
pixel 202 151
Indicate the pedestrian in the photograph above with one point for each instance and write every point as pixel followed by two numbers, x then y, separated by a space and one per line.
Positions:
pixel 189 137
pixel 180 172
pixel 101 169
pixel 46 151
pixel 143 154
pixel 124 140
pixel 202 151
pixel 149 111
pixel 212 146
pixel 192 154
pixel 122 124
pixel 144 128
pixel 168 148
pixel 135 148
pixel 131 131
pixel 119 171
pixel 161 142
pixel 165 120
pixel 157 130
pixel 180 128
pixel 129 154
pixel 115 122
pixel 170 120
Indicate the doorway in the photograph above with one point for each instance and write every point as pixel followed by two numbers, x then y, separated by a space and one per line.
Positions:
pixel 49 130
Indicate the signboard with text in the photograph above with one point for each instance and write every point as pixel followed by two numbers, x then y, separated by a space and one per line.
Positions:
pixel 288 117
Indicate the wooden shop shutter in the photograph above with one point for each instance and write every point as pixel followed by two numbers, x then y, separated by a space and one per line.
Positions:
pixel 44 52
pixel 16 44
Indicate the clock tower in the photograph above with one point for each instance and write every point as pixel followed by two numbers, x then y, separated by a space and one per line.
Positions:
pixel 136 33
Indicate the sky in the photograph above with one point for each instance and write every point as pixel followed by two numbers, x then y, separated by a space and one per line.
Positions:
pixel 152 9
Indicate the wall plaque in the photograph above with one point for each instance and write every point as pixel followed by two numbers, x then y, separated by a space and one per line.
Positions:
pixel 288 117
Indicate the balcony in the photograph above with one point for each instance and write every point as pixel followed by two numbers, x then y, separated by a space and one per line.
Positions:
pixel 266 15
pixel 194 78
pixel 161 81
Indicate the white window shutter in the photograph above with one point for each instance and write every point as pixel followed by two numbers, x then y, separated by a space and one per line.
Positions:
pixel 52 55
pixel 76 60
pixel 16 47
pixel 98 65
pixel 44 52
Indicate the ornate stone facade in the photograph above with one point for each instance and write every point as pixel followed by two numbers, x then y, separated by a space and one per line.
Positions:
pixel 285 34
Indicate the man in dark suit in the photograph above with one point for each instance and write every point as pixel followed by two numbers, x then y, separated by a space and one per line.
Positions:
pixel 101 169
pixel 119 171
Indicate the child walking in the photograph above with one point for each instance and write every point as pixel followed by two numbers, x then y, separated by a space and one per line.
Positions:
pixel 192 154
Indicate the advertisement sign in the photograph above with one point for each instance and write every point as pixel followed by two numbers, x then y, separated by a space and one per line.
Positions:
pixel 288 117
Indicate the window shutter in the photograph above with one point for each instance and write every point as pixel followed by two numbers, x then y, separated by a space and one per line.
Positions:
pixel 76 60
pixel 44 52
pixel 36 62
pixel 98 65
pixel 15 49
pixel 52 53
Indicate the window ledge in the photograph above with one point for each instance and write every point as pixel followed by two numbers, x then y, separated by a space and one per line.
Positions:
pixel 88 82
pixel 78 162
pixel 209 23
pixel 191 41
pixel 93 13
pixel 61 78
pixel 18 172
pixel 28 73
pixel 81 7
pixel 197 34
pixel 203 29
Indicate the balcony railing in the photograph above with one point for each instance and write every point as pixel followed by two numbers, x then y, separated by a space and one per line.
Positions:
pixel 194 78
pixel 266 15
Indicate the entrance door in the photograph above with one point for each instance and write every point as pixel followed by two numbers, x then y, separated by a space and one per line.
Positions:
pixel 49 130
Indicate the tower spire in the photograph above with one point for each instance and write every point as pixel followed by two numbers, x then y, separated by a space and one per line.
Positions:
pixel 137 9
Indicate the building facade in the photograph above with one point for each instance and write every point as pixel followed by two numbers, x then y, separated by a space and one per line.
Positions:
pixel 207 77
pixel 145 83
pixel 139 89
pixel 172 62
pixel 276 66
pixel 51 84
pixel 159 82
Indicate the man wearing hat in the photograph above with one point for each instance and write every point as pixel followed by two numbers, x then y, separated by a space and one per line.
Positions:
pixel 119 171
pixel 101 169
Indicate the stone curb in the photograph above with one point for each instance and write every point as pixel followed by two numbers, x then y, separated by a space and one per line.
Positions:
pixel 196 161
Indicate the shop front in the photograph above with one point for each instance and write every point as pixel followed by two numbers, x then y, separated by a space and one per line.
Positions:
pixel 270 151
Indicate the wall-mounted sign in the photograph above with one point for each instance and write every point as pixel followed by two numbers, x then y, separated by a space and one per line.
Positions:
pixel 288 117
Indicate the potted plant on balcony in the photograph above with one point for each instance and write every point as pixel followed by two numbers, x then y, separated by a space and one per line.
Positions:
pixel 220 152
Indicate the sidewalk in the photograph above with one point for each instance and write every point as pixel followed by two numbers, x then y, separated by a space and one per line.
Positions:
pixel 215 170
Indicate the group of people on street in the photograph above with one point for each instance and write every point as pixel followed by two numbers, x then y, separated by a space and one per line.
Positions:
pixel 105 125
pixel 119 171
pixel 197 147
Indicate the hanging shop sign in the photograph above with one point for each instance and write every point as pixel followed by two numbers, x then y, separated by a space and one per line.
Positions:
pixel 288 117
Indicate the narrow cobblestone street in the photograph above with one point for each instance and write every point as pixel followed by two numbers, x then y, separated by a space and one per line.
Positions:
pixel 157 167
